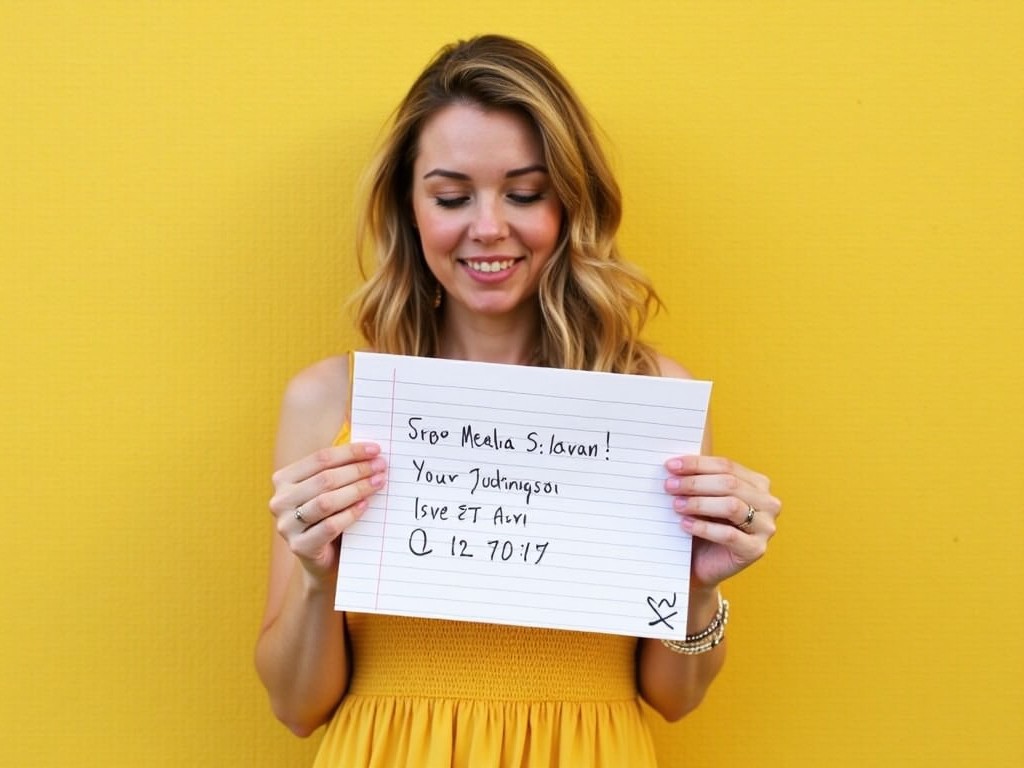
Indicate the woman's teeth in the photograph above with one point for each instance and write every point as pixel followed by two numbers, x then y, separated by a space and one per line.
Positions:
pixel 490 266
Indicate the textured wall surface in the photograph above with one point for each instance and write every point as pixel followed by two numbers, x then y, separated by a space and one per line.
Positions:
pixel 829 196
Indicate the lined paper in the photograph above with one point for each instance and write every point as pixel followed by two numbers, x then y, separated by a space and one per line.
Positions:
pixel 522 495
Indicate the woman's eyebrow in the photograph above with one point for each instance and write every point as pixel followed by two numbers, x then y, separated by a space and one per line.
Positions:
pixel 446 174
pixel 537 168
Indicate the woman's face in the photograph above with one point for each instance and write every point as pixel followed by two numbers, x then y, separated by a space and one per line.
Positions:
pixel 487 216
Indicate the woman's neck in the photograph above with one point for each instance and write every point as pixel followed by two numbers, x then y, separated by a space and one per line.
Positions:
pixel 489 339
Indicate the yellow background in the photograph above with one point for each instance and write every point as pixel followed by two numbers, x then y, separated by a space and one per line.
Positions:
pixel 829 195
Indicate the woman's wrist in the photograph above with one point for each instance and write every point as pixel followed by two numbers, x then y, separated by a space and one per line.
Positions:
pixel 317 585
pixel 707 636
pixel 703 605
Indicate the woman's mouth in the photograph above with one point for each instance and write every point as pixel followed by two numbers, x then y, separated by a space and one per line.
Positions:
pixel 489 269
pixel 498 265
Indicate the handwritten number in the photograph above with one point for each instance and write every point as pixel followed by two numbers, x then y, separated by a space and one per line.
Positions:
pixel 462 552
pixel 542 549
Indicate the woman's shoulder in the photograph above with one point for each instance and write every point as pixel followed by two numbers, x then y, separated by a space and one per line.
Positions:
pixel 325 381
pixel 669 368
pixel 316 398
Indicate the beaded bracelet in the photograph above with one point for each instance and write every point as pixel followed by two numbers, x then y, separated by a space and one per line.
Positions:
pixel 707 638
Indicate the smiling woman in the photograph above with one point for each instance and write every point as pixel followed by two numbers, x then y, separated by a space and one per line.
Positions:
pixel 488 220
pixel 492 214
pixel 547 158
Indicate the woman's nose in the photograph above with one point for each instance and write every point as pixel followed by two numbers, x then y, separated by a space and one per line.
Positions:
pixel 489 222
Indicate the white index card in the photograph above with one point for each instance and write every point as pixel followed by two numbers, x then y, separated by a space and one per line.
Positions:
pixel 521 495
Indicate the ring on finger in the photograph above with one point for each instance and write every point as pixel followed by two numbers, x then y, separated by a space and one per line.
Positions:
pixel 749 520
pixel 298 514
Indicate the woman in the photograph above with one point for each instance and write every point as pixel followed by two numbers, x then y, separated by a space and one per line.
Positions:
pixel 493 214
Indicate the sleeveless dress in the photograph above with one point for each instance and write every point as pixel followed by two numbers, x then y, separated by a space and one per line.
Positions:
pixel 428 693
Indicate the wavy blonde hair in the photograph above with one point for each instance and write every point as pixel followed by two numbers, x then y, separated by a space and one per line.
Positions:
pixel 593 304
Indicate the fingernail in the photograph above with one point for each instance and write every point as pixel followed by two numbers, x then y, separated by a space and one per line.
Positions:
pixel 687 523
pixel 377 480
pixel 680 505
pixel 673 483
pixel 378 465
pixel 371 449
pixel 674 464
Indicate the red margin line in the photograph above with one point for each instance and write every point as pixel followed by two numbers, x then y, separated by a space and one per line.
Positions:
pixel 387 491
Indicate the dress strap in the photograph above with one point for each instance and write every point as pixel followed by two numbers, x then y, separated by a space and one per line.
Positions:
pixel 345 433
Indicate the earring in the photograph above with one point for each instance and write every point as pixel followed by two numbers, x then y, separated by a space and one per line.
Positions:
pixel 437 295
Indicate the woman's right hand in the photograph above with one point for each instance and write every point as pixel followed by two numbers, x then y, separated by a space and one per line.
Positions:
pixel 319 496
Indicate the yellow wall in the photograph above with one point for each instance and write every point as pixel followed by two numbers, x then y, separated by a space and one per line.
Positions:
pixel 829 194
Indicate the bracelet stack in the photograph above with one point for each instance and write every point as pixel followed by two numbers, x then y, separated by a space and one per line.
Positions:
pixel 707 638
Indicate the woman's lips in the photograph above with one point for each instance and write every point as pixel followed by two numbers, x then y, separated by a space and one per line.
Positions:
pixel 491 268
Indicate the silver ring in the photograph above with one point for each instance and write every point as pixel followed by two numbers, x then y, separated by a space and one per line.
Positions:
pixel 298 515
pixel 750 519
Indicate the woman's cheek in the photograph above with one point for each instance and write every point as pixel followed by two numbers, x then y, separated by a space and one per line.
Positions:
pixel 439 236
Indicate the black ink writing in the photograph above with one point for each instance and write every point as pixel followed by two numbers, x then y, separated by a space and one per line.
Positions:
pixel 557 447
pixel 429 511
pixel 499 481
pixel 422 434
pixel 526 551
pixel 429 476
pixel 472 436
pixel 664 604
pixel 418 542
pixel 460 548
pixel 468 513
pixel 501 517
pixel 474 439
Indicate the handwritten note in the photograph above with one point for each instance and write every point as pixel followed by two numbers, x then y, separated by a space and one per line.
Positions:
pixel 521 495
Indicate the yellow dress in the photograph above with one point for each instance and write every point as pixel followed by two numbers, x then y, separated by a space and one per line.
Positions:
pixel 427 693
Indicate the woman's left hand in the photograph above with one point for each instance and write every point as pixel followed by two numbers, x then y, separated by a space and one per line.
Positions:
pixel 729 511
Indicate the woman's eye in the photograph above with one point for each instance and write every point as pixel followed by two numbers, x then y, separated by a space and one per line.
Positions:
pixel 525 199
pixel 450 202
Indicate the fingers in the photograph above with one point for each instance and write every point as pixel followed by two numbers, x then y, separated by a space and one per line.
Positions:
pixel 726 509
pixel 325 458
pixel 720 496
pixel 729 510
pixel 722 493
pixel 331 503
pixel 745 546
pixel 310 542
pixel 686 466
pixel 713 486
pixel 334 489
pixel 330 485
pixel 762 524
